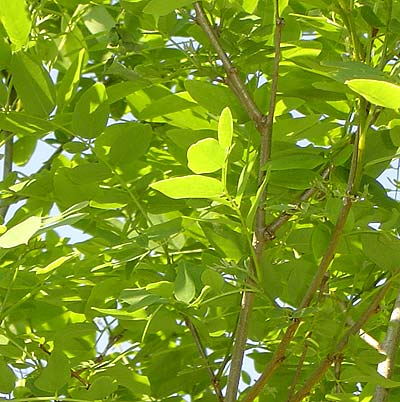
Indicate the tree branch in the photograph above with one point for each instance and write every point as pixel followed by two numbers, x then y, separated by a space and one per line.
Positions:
pixel 234 81
pixel 389 346
pixel 372 309
pixel 200 348
pixel 279 355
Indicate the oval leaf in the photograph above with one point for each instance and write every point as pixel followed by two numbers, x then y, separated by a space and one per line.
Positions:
pixel 225 129
pixel 15 19
pixel 194 186
pixel 91 112
pixel 205 156
pixel 56 374
pixel 21 233
pixel 184 286
pixel 381 93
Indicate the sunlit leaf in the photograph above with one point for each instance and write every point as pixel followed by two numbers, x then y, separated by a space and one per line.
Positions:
pixel 381 93
pixel 20 233
pixel 205 156
pixel 16 21
pixel 190 187
pixel 33 84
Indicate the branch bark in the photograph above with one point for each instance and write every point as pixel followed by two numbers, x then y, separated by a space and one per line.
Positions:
pixel 264 125
pixel 389 346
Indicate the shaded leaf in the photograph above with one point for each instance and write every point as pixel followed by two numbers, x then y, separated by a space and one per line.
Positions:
pixel 56 374
pixel 91 112
pixel 185 290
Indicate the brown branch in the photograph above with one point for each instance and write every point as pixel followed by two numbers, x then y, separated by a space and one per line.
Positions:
pixel 390 346
pixel 234 81
pixel 200 348
pixel 319 372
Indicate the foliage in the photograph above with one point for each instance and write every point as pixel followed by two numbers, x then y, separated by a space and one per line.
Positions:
pixel 159 125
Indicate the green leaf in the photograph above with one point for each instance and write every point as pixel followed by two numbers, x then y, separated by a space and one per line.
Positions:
pixel 298 179
pixel 70 81
pixel 382 249
pixel 101 388
pixel 195 186
pixel 225 129
pixel 55 264
pixel 23 149
pixel 139 298
pixel 205 156
pixel 125 143
pixel 56 374
pixel 167 104
pixel 20 233
pixel 215 98
pixel 162 7
pixel 24 123
pixel 185 290
pixel 249 5
pixel 227 242
pixel 381 93
pixel 33 84
pixel 7 378
pixel 16 21
pixel 213 279
pixel 91 112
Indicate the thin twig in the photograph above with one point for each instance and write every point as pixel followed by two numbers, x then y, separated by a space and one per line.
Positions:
pixel 298 369
pixel 390 346
pixel 200 348
pixel 372 309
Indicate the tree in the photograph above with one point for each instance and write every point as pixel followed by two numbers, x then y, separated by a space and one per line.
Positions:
pixel 222 159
